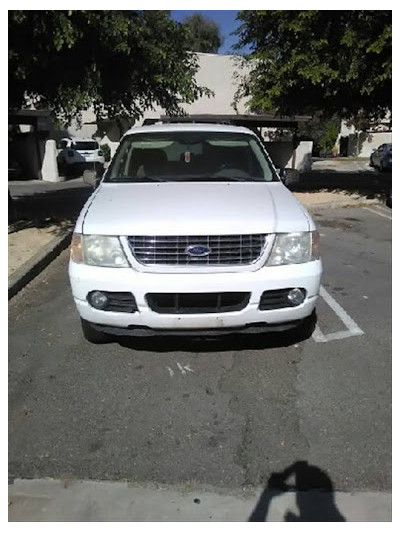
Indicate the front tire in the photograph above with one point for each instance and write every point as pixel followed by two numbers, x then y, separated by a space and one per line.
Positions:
pixel 93 335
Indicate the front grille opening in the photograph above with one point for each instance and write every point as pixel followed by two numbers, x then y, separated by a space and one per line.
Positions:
pixel 276 299
pixel 173 250
pixel 185 303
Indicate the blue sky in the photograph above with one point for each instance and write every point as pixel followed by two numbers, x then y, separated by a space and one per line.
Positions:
pixel 225 20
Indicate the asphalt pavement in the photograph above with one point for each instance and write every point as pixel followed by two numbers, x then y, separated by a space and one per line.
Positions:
pixel 229 413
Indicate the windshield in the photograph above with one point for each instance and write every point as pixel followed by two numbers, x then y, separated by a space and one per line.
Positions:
pixel 190 156
pixel 85 145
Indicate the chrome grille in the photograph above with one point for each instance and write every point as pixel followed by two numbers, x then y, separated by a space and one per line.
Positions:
pixel 172 250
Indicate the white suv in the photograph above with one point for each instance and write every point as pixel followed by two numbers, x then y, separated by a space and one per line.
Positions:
pixel 76 155
pixel 191 230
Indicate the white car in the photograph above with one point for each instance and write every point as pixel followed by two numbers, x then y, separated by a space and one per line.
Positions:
pixel 191 231
pixel 76 155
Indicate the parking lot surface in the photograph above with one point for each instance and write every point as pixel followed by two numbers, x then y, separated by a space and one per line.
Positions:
pixel 221 412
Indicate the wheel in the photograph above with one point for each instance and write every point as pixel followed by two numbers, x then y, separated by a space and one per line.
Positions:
pixel 371 163
pixel 93 335
pixel 389 199
pixel 11 209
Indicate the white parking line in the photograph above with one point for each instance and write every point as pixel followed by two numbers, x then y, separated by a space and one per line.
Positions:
pixel 377 213
pixel 383 208
pixel 352 328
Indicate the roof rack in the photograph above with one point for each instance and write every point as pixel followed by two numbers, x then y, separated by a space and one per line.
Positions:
pixel 192 119
pixel 257 121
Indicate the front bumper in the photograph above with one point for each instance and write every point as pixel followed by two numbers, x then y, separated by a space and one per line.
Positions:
pixel 85 279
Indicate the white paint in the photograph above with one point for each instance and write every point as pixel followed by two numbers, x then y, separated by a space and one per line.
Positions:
pixel 49 164
pixel 338 335
pixel 184 369
pixel 383 208
pixel 377 213
pixel 352 328
pixel 181 368
pixel 318 336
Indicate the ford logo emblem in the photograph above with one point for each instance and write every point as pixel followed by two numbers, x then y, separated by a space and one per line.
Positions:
pixel 198 250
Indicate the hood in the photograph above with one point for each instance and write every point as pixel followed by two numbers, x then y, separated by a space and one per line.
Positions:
pixel 193 208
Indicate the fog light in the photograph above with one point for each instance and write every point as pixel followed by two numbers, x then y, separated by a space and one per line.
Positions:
pixel 296 296
pixel 98 300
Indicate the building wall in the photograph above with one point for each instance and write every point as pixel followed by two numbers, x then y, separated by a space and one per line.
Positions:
pixel 361 143
pixel 219 74
pixel 216 72
pixel 283 155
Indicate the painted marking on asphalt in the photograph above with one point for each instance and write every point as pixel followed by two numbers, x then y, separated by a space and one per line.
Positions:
pixel 377 213
pixel 317 335
pixel 383 208
pixel 184 369
pixel 352 328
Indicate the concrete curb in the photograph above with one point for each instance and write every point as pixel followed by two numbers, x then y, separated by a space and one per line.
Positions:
pixel 29 270
pixel 51 500
pixel 344 203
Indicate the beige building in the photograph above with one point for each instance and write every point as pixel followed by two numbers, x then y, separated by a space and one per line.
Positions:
pixel 361 143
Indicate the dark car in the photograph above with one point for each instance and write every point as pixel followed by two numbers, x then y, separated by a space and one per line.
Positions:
pixel 381 158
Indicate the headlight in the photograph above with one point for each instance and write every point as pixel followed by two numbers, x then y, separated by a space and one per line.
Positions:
pixel 98 250
pixel 294 248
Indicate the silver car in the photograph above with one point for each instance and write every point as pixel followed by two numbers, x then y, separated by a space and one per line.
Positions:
pixel 381 158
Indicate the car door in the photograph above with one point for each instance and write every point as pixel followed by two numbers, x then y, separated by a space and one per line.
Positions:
pixel 378 155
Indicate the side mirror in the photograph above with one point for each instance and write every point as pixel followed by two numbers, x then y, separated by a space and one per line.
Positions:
pixel 289 176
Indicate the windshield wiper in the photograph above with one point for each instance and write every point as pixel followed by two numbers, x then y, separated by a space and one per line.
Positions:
pixel 228 178
pixel 137 179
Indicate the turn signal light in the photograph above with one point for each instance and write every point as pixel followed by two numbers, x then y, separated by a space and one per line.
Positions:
pixel 76 248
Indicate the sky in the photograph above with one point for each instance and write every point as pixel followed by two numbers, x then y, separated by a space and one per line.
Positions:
pixel 225 20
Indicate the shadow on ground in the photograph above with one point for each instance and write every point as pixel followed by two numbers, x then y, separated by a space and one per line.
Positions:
pixel 370 184
pixel 219 343
pixel 42 209
pixel 314 495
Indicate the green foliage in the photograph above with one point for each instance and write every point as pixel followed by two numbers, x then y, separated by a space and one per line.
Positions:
pixel 121 62
pixel 323 132
pixel 203 34
pixel 337 62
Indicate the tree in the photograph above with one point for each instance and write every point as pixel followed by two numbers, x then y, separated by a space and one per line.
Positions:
pixel 119 62
pixel 337 62
pixel 203 34
pixel 324 133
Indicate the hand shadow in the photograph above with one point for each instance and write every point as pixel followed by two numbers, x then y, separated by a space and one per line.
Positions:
pixel 314 495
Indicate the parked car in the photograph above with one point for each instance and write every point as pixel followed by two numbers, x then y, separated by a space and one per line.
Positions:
pixel 192 231
pixel 76 155
pixel 381 158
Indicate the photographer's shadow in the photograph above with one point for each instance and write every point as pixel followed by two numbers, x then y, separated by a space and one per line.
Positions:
pixel 314 495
